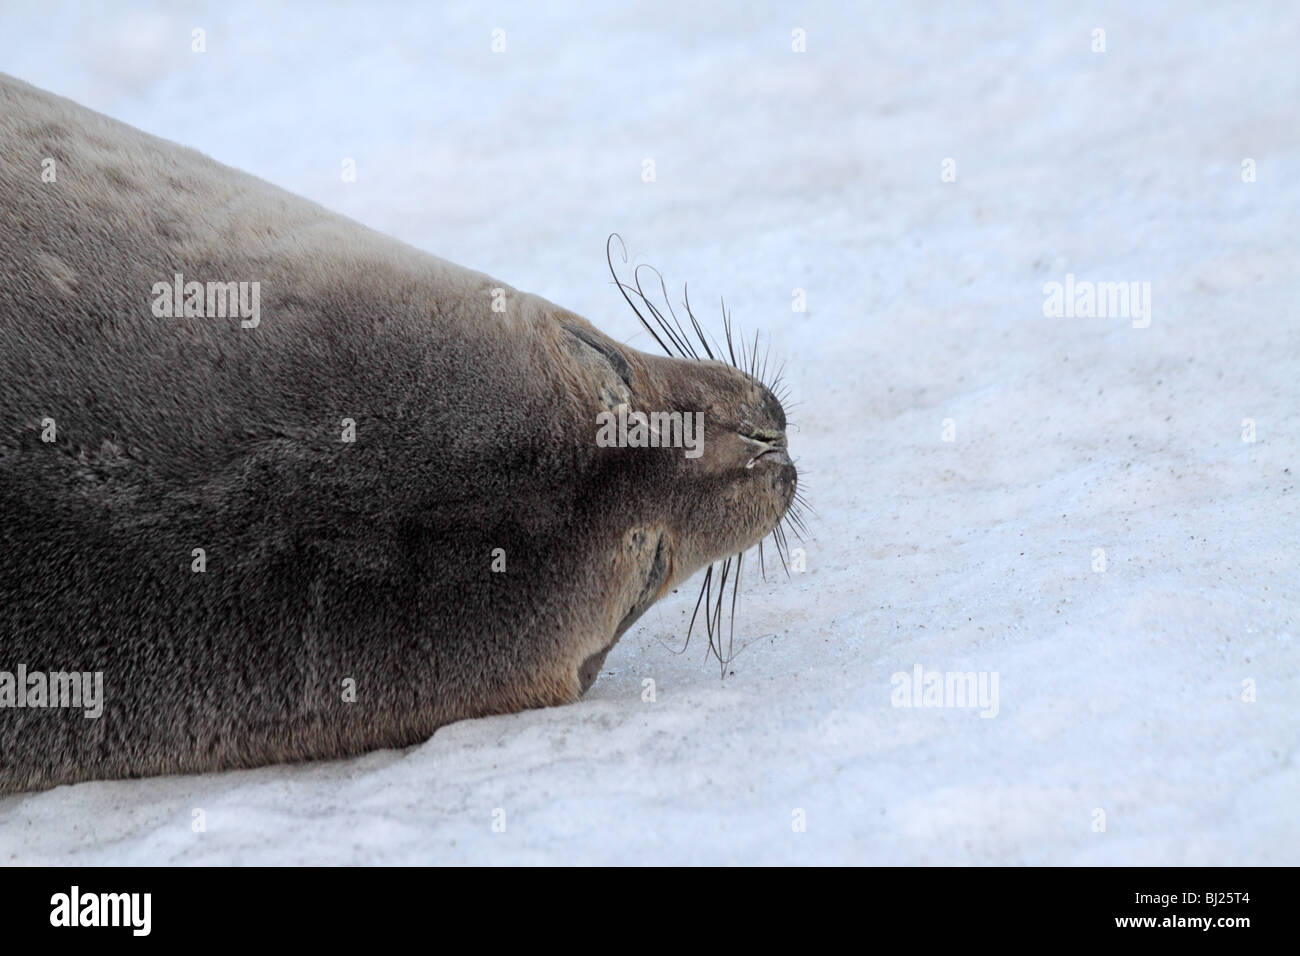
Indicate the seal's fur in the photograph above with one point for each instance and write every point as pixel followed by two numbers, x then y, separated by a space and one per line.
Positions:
pixel 327 561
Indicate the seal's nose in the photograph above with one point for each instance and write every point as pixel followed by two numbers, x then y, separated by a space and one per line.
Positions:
pixel 768 445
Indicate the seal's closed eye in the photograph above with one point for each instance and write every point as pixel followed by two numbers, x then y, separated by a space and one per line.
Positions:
pixel 606 350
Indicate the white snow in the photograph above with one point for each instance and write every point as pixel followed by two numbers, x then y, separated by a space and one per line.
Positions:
pixel 1119 691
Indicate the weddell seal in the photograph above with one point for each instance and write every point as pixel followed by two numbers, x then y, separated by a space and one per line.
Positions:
pixel 275 487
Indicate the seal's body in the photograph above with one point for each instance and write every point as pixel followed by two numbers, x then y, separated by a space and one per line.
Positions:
pixel 374 507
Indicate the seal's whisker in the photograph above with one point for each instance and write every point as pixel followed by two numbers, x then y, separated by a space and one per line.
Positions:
pixel 797 523
pixel 726 325
pixel 715 609
pixel 669 648
pixel 785 542
pixel 779 540
pixel 681 346
pixel 716 633
pixel 699 331
pixel 717 620
pixel 778 385
pixel 735 594
pixel 684 348
pixel 623 290
pixel 663 287
pixel 704 586
pixel 802 501
pixel 682 338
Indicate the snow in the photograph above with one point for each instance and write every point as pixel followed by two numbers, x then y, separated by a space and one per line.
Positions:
pixel 1120 691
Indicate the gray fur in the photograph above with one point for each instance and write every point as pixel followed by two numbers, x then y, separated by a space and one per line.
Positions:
pixel 326 560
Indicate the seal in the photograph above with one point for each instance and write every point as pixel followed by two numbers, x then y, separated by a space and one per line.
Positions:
pixel 276 487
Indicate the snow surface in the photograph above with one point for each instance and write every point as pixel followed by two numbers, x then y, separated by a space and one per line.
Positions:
pixel 1119 691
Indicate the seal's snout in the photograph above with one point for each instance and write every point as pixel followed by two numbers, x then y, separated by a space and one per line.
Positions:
pixel 770 458
pixel 762 429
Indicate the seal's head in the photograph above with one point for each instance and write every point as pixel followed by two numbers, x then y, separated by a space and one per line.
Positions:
pixel 695 443
pixel 741 478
